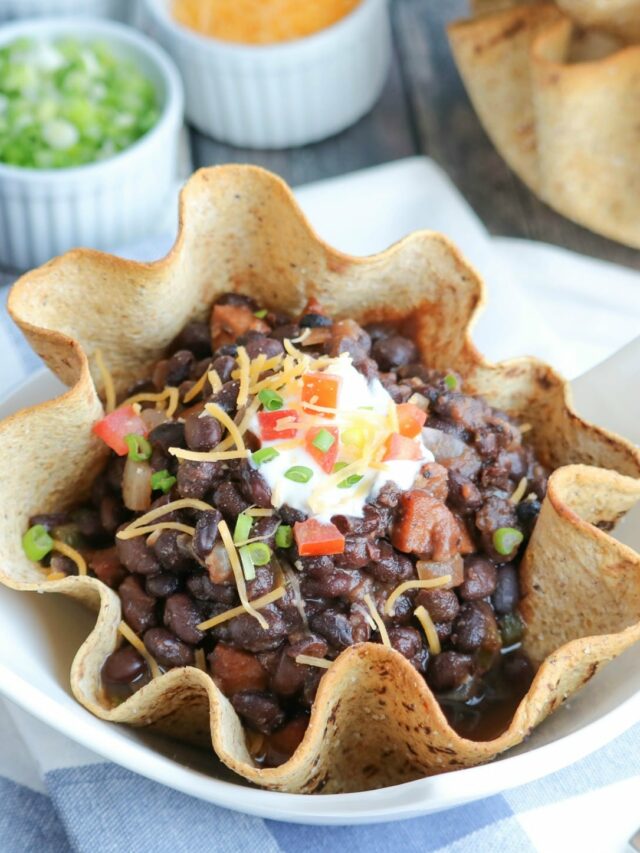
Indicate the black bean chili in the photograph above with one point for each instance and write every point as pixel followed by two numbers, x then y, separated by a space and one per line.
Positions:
pixel 166 591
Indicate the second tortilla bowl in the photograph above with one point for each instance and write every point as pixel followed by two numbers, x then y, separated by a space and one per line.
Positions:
pixel 374 722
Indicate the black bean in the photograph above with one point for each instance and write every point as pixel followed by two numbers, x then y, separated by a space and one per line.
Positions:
pixel 263 345
pixel 405 640
pixel 241 299
pixel 507 592
pixel 476 628
pixel 348 336
pixel 260 711
pixel 286 332
pixel 60 563
pixel 179 367
pixel 379 331
pixel 195 479
pixel 247 633
pixel 358 553
pixel 167 649
pixel 254 487
pixel 528 511
pixel 226 350
pixel 394 351
pixel 314 321
pixel 227 396
pixel 334 626
pixel 162 585
pixel 480 578
pixel 266 528
pixel 518 669
pixel 337 583
pixel 263 582
pixel 202 433
pixel 182 615
pixel 229 501
pixel 123 666
pixel 317 567
pixel 290 516
pixel 112 513
pixel 223 365
pixel 50 520
pixel 138 607
pixel 391 566
pixel 202 588
pixel 449 670
pixel 374 520
pixel 441 604
pixel 137 556
pixel 206 533
pixel 88 523
pixel 194 337
pixel 170 551
pixel 464 495
pixel 166 435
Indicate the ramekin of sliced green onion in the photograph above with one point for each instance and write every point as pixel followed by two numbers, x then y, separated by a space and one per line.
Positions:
pixel 90 117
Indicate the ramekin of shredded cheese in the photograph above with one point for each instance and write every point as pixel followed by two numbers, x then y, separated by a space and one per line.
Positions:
pixel 90 116
pixel 303 85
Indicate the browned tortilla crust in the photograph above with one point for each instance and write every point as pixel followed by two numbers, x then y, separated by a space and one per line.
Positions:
pixel 375 722
pixel 568 128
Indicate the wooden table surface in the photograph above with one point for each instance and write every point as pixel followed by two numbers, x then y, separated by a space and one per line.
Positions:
pixel 425 110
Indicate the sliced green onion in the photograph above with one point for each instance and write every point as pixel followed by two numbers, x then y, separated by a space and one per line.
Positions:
pixel 284 536
pixel 265 454
pixel 139 448
pixel 299 474
pixel 506 540
pixel 271 400
pixel 162 481
pixel 36 543
pixel 350 481
pixel 451 381
pixel 365 408
pixel 242 528
pixel 248 568
pixel 323 440
pixel 339 466
pixel 261 314
pixel 260 553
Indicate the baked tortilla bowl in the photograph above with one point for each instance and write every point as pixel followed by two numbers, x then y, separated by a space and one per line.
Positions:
pixel 375 722
pixel 556 89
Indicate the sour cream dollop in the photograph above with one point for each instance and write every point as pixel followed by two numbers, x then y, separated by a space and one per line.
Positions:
pixel 364 416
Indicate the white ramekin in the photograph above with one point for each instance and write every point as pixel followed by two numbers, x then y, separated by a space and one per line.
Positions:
pixel 44 212
pixel 13 9
pixel 274 96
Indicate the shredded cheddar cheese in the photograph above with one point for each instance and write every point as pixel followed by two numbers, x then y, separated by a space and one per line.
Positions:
pixel 173 506
pixel 243 391
pixel 256 603
pixel 131 533
pixel 308 660
pixel 258 512
pixel 221 416
pixel 208 455
pixel 192 393
pixel 214 381
pixel 72 554
pixel 200 660
pixel 56 576
pixel 424 618
pixel 107 381
pixel 382 628
pixel 519 492
pixel 134 640
pixel 236 566
pixel 432 583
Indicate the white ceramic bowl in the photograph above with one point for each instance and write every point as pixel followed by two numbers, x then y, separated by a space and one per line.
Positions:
pixel 13 9
pixel 290 93
pixel 44 212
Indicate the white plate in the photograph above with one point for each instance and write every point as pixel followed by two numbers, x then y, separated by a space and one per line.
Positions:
pixel 34 667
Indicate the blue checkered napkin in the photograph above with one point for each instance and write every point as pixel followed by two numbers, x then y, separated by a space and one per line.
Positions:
pixel 56 797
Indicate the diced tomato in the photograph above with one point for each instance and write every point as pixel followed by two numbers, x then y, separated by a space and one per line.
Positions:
pixel 269 424
pixel 113 428
pixel 228 322
pixel 321 389
pixel 327 459
pixel 400 447
pixel 317 538
pixel 411 419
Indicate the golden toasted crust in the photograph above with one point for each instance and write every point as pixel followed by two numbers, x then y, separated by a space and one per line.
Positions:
pixel 375 722
pixel 560 104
